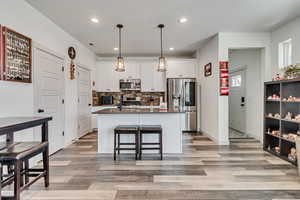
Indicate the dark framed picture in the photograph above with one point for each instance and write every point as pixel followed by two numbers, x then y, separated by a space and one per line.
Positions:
pixel 15 56
pixel 208 70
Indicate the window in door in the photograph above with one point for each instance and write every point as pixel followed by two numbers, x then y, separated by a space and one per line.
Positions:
pixel 285 53
pixel 236 81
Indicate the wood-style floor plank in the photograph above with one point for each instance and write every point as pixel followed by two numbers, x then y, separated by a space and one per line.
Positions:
pixel 204 171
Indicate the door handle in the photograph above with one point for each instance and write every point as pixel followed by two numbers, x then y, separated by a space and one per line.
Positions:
pixel 90 104
pixel 243 99
pixel 41 110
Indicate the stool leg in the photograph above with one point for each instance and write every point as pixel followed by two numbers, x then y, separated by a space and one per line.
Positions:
pixel 136 146
pixel 46 166
pixel 161 145
pixel 118 144
pixel 17 180
pixel 115 137
pixel 9 169
pixel 141 146
pixel 26 171
pixel 1 179
pixel 22 174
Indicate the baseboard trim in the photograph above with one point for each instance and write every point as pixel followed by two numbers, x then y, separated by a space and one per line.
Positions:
pixel 217 141
pixel 210 136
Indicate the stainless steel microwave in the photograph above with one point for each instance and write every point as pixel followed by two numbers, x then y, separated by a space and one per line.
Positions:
pixel 130 84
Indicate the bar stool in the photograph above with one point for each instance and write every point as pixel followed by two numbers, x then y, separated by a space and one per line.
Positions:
pixel 151 129
pixel 18 154
pixel 126 130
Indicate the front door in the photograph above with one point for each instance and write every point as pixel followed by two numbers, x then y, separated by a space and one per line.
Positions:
pixel 84 101
pixel 49 85
pixel 237 101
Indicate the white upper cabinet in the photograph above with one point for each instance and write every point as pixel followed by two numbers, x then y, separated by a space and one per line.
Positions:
pixel 152 80
pixel 159 80
pixel 181 68
pixel 132 70
pixel 107 79
pixel 147 76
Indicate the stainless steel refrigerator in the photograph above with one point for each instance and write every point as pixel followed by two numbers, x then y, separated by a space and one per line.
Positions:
pixel 181 95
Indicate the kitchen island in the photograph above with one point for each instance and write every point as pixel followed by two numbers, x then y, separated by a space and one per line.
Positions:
pixel 172 122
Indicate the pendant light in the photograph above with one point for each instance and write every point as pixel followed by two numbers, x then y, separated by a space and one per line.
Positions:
pixel 120 67
pixel 162 62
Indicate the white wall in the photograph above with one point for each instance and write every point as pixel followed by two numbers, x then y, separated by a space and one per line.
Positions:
pixel 208 98
pixel 17 99
pixel 290 30
pixel 216 122
pixel 250 60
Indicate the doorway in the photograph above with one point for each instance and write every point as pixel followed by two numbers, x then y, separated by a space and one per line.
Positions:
pixel 49 93
pixel 237 104
pixel 84 101
pixel 244 99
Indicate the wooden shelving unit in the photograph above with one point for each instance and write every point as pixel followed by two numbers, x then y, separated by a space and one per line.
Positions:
pixel 284 89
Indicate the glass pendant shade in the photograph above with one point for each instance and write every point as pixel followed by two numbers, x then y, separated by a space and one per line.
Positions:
pixel 162 64
pixel 120 67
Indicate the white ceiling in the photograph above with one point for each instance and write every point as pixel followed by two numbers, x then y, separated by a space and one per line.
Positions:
pixel 140 18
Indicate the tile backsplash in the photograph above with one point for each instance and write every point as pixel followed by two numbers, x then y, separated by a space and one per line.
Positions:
pixel 145 97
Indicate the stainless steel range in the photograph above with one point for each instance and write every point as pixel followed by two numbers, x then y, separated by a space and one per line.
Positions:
pixel 182 96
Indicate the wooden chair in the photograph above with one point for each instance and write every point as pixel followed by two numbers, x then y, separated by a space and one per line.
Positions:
pixel 126 130
pixel 151 129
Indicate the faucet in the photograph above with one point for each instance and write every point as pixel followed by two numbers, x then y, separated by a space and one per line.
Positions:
pixel 121 103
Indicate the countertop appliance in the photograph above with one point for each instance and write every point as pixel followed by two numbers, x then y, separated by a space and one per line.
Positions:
pixel 181 95
pixel 130 84
pixel 131 100
pixel 107 100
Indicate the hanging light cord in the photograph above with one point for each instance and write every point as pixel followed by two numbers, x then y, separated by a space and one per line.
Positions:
pixel 119 41
pixel 161 42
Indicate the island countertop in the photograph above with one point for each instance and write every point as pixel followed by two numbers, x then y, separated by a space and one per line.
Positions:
pixel 135 111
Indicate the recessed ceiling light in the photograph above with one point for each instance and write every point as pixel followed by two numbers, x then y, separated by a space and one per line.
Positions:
pixel 95 20
pixel 171 48
pixel 116 49
pixel 182 20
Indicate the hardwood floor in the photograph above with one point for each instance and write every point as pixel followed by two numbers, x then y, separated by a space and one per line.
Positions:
pixel 205 171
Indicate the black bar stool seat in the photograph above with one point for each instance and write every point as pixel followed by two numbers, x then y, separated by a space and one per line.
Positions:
pixel 151 129
pixel 126 130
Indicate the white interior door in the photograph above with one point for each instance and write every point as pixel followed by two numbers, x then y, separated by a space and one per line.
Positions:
pixel 237 101
pixel 49 95
pixel 84 102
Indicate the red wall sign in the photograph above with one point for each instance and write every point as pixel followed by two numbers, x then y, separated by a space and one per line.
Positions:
pixel 224 78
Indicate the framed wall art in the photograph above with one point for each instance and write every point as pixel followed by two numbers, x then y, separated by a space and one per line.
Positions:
pixel 224 78
pixel 16 56
pixel 208 70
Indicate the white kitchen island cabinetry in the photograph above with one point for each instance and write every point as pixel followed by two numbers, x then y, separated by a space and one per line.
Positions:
pixel 171 122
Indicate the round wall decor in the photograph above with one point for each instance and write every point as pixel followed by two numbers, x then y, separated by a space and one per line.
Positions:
pixel 72 53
